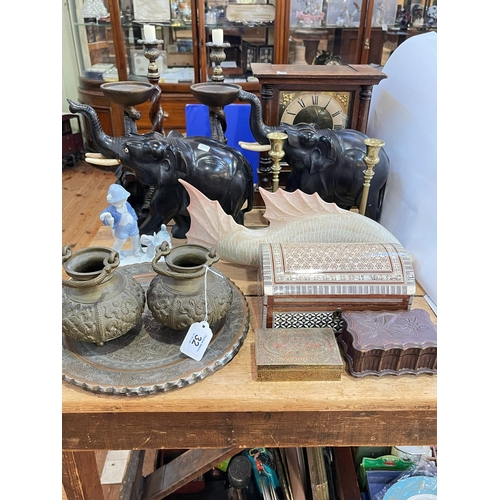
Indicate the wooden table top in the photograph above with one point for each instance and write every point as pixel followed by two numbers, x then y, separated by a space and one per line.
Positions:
pixel 232 408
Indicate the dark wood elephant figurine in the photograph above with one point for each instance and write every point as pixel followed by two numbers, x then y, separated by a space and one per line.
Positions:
pixel 151 165
pixel 324 161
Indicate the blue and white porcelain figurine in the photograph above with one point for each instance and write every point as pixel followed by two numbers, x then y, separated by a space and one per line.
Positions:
pixel 120 216
pixel 122 219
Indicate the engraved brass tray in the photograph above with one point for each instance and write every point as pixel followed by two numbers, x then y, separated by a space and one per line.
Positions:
pixel 147 359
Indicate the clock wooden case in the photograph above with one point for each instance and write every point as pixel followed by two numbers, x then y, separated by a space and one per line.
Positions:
pixel 336 96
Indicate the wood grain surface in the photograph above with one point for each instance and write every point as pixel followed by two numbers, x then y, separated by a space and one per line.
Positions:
pixel 230 408
pixel 239 410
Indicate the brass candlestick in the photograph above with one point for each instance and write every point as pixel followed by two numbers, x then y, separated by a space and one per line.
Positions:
pixel 371 159
pixel 276 153
pixel 217 55
pixel 151 52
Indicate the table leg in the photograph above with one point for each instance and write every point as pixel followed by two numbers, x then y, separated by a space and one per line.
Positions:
pixel 80 477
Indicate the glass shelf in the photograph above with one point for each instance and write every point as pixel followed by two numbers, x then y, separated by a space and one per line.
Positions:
pixel 266 31
pixel 250 41
pixel 331 34
pixel 99 41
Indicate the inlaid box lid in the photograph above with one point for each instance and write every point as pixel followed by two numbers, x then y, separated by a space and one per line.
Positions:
pixel 297 354
pixel 386 330
pixel 336 269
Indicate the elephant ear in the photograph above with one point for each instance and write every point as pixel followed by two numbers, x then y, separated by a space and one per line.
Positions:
pixel 322 156
pixel 332 146
pixel 168 168
pixel 302 141
pixel 179 163
pixel 312 147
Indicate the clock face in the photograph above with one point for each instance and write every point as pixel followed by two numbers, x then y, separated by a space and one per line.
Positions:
pixel 325 109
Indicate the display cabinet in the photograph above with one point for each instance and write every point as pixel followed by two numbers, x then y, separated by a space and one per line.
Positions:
pixel 108 36
pixel 252 30
pixel 124 23
pixel 110 48
pixel 354 31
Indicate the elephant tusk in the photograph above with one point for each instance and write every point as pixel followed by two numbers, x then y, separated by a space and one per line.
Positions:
pixel 94 155
pixel 105 162
pixel 254 146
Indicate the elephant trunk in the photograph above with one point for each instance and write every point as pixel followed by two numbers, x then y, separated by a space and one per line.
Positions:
pixel 106 145
pixel 257 126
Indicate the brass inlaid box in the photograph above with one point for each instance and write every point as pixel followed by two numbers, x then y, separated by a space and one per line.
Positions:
pixel 290 354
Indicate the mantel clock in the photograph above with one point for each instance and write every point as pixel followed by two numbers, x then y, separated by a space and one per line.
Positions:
pixel 325 109
pixel 334 97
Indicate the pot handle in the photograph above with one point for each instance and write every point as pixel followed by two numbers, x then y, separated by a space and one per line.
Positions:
pixel 212 257
pixel 110 264
pixel 163 250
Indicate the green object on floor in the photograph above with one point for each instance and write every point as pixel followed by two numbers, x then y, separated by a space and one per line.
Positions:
pixel 224 465
pixel 387 462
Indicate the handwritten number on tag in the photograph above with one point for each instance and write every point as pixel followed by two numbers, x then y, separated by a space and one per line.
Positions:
pixel 196 341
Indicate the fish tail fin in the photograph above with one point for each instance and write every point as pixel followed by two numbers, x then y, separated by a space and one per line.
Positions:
pixel 283 206
pixel 208 221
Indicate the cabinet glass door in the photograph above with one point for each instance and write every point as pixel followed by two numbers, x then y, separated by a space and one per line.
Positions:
pixel 354 31
pixel 107 34
pixel 170 21
pixel 94 41
pixel 413 17
pixel 249 29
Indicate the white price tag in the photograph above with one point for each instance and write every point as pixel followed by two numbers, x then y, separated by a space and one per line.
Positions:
pixel 204 147
pixel 196 341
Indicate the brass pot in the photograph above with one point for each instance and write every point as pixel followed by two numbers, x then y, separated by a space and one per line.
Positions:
pixel 100 302
pixel 176 296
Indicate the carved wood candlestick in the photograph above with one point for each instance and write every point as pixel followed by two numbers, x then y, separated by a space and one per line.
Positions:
pixel 128 95
pixel 151 52
pixel 216 94
pixel 371 159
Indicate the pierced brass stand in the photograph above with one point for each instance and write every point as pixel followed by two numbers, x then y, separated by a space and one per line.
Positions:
pixel 371 159
pixel 151 52
pixel 276 153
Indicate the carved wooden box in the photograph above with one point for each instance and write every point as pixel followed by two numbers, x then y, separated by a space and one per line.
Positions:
pixel 290 354
pixel 389 342
pixel 302 284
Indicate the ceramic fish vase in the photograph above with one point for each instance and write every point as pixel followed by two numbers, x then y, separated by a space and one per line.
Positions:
pixel 100 302
pixel 186 290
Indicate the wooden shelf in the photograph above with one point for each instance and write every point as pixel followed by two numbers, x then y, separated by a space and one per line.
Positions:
pixel 236 411
pixel 235 391
pixel 98 45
